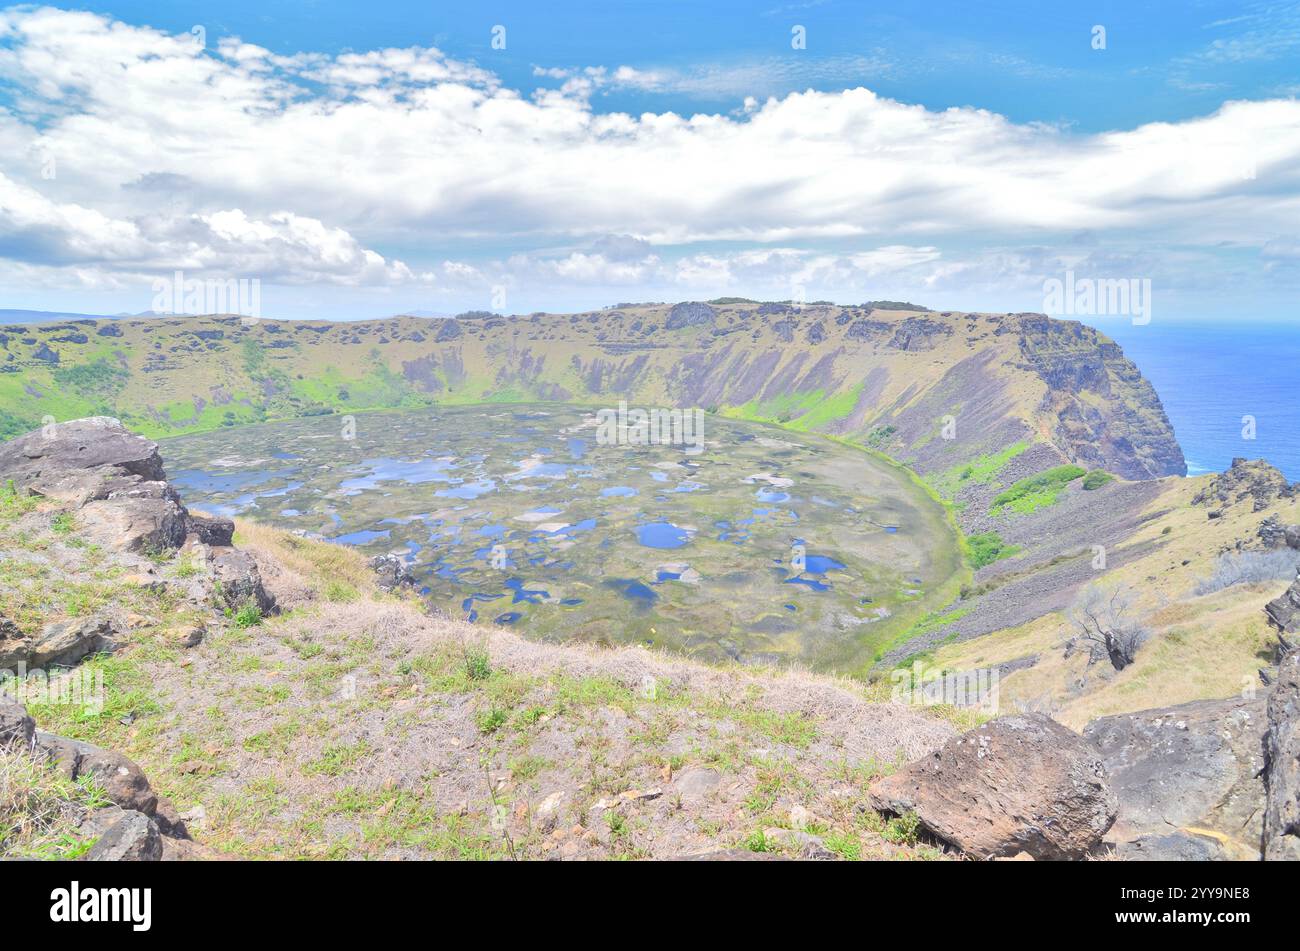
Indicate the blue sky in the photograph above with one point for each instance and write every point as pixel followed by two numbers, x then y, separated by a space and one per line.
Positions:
pixel 359 160
pixel 1026 60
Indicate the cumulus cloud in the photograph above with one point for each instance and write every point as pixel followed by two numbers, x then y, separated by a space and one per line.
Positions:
pixel 282 247
pixel 309 167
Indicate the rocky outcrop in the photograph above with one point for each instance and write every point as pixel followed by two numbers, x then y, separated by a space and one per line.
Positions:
pixel 1282 812
pixel 116 482
pixel 391 572
pixel 1284 610
pixel 1253 482
pixel 689 314
pixel 58 644
pixel 1189 779
pixel 1274 533
pixel 239 580
pixel 919 333
pixel 138 820
pixel 1021 783
pixel 1107 415
pixel 81 460
pixel 132 837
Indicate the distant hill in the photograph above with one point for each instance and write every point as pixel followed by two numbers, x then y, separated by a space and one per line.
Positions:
pixel 48 316
pixel 888 379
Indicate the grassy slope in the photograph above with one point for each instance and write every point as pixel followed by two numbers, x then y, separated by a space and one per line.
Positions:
pixel 1203 646
pixel 356 726
pixel 188 374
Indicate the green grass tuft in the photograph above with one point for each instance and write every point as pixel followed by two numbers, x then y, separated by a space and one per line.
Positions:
pixel 988 547
pixel 1096 479
pixel 1037 491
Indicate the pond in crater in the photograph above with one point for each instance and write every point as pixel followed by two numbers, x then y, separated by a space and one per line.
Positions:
pixel 762 546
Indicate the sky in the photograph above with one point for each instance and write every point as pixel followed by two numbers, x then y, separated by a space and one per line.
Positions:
pixel 363 160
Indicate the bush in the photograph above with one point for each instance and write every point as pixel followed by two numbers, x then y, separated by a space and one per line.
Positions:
pixel 1106 620
pixel 1096 479
pixel 478 663
pixel 250 615
pixel 988 547
pixel 1246 567
pixel 491 720
pixel 1037 491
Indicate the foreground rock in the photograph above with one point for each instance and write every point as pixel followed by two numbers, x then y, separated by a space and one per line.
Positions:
pixel 139 825
pixel 59 643
pixel 391 572
pixel 1189 779
pixel 1284 610
pixel 81 460
pixel 115 481
pixel 1020 783
pixel 134 837
pixel 1282 813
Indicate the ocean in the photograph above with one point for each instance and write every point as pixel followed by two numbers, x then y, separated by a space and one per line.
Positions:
pixel 1211 375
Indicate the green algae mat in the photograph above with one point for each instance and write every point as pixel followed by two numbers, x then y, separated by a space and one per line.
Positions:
pixel 738 540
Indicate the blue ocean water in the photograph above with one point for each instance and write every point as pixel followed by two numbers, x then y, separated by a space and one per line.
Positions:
pixel 1210 375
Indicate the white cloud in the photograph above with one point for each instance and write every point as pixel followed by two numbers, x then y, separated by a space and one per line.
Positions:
pixel 309 167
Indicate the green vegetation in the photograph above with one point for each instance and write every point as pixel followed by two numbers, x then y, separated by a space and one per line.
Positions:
pixel 340 592
pixel 805 411
pixel 981 470
pixel 1037 491
pixel 478 664
pixel 40 808
pixel 933 621
pixel 99 380
pixel 985 548
pixel 249 615
pixel 1096 479
pixel 879 436
pixel 14 503
pixel 11 425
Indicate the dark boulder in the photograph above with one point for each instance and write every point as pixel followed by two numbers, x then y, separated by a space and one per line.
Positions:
pixel 1284 610
pixel 1021 783
pixel 1192 769
pixel 239 580
pixel 690 314
pixel 212 529
pixel 391 572
pixel 17 729
pixel 120 779
pixel 448 329
pixel 134 837
pixel 1282 813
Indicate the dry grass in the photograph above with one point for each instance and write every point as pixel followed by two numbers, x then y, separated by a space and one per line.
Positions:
pixel 1201 648
pixel 39 809
pixel 290 735
pixel 298 571
pixel 1204 647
